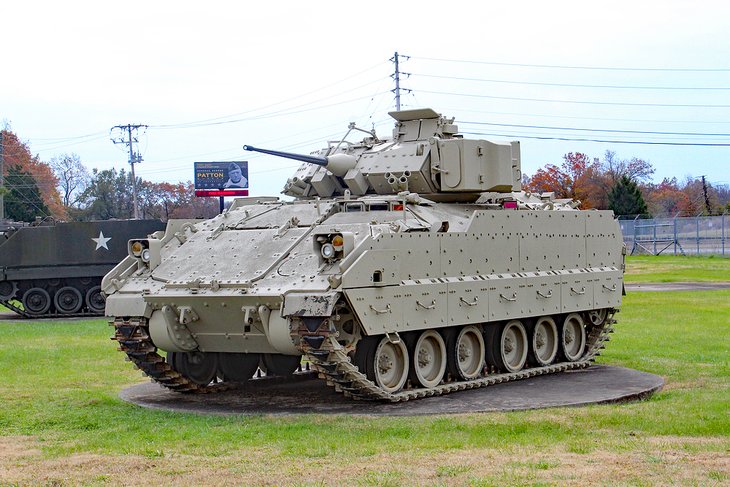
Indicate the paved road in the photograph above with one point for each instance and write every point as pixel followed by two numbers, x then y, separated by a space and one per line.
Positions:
pixel 676 286
pixel 8 316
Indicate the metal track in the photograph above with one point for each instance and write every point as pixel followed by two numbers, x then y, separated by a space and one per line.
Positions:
pixel 332 363
pixel 335 367
pixel 134 340
pixel 25 314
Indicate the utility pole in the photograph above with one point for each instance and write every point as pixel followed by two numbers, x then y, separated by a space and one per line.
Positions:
pixel 396 76
pixel 134 157
pixel 2 179
pixel 707 198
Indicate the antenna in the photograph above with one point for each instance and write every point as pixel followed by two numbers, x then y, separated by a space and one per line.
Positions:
pixel 133 157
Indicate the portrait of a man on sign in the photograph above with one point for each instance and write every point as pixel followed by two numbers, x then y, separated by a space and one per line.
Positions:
pixel 236 179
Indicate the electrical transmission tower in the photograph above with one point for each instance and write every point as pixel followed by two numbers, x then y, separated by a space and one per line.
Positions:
pixel 129 140
pixel 396 76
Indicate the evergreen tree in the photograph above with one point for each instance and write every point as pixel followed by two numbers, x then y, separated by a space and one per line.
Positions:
pixel 625 198
pixel 23 200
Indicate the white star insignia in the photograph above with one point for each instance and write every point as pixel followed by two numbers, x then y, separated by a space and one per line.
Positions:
pixel 101 241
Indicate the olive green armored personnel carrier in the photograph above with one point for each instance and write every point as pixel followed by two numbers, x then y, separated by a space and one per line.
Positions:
pixel 54 269
pixel 404 267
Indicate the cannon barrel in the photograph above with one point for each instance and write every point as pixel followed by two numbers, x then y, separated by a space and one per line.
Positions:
pixel 320 161
pixel 338 164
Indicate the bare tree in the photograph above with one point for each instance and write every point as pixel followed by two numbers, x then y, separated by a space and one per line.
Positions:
pixel 637 170
pixel 73 177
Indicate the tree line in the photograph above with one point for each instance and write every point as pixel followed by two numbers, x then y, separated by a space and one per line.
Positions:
pixel 65 189
pixel 625 186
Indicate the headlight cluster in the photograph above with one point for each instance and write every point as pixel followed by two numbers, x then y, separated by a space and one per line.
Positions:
pixel 331 246
pixel 140 249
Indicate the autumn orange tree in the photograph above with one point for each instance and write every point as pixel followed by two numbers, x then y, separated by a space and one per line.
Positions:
pixel 578 177
pixel 31 186
pixel 667 198
pixel 588 179
pixel 175 200
pixel 191 206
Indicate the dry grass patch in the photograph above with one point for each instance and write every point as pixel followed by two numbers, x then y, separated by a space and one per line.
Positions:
pixel 651 461
pixel 13 448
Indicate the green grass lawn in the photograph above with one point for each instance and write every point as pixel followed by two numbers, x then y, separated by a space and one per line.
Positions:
pixel 667 268
pixel 61 421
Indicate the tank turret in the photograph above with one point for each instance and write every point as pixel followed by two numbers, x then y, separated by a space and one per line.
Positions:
pixel 425 156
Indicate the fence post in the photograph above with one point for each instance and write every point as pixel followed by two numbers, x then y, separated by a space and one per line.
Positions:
pixel 722 234
pixel 674 239
pixel 633 247
pixel 698 234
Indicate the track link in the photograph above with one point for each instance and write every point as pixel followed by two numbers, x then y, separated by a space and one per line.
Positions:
pixel 134 340
pixel 133 337
pixel 16 309
pixel 335 366
pixel 332 363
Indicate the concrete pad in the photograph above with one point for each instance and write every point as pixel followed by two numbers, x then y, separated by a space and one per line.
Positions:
pixel 597 384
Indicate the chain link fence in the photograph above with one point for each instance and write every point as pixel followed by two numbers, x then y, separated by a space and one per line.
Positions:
pixel 702 235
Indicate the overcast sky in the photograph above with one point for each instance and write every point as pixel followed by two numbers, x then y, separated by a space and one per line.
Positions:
pixel 208 78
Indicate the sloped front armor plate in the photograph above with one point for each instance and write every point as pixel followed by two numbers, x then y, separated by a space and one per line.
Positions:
pixel 232 256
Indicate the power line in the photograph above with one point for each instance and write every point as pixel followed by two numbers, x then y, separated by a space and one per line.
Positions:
pixel 599 119
pixel 588 68
pixel 235 152
pixel 291 111
pixel 579 102
pixel 69 143
pixel 634 142
pixel 284 111
pixel 66 139
pixel 599 130
pixel 570 85
pixel 17 188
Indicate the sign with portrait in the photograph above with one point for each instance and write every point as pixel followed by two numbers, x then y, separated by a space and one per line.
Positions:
pixel 221 178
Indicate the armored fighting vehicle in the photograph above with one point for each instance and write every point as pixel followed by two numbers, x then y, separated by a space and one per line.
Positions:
pixel 55 269
pixel 404 267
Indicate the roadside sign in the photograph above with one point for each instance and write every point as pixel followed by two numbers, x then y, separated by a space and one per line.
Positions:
pixel 221 178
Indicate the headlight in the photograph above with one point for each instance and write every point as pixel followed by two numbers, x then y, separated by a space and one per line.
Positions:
pixel 334 246
pixel 338 242
pixel 327 251
pixel 137 248
pixel 147 251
